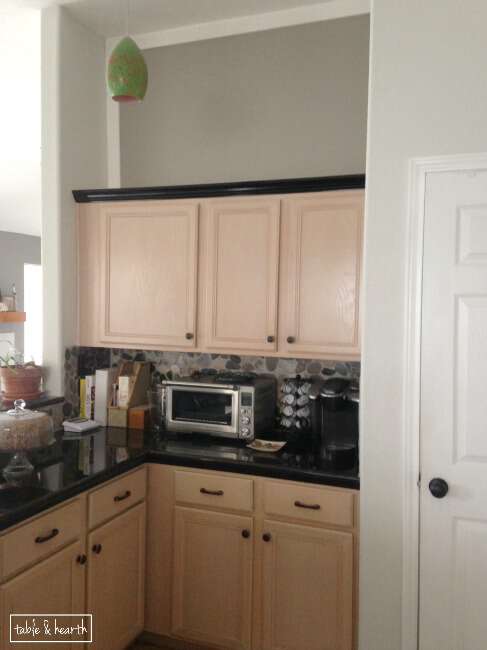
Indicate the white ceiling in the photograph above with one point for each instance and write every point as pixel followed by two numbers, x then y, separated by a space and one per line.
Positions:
pixel 107 17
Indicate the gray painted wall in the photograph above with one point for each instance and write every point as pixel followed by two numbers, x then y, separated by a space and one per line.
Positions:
pixel 288 102
pixel 15 251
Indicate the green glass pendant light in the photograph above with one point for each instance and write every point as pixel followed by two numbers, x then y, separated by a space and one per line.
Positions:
pixel 127 74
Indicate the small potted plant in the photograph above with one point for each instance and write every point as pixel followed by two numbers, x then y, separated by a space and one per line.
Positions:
pixel 19 379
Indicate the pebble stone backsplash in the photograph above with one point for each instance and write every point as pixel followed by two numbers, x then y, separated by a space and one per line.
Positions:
pixel 80 361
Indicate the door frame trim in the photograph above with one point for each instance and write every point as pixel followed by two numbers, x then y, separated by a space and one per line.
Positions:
pixel 419 169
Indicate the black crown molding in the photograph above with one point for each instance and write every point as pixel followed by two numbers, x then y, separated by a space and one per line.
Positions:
pixel 244 188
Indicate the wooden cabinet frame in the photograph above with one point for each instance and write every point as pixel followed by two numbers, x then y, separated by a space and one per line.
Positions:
pixel 218 278
pixel 335 528
pixel 187 213
pixel 168 511
pixel 74 560
pixel 341 306
pixel 281 290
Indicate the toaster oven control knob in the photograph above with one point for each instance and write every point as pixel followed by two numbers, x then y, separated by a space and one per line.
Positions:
pixel 245 420
pixel 245 432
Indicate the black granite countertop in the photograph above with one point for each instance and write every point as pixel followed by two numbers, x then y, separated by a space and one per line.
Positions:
pixel 72 465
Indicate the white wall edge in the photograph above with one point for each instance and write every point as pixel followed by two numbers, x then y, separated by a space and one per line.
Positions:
pixel 51 253
pixel 113 129
pixel 418 173
pixel 257 23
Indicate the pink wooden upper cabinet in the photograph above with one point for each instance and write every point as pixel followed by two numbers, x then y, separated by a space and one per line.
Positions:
pixel 148 273
pixel 242 264
pixel 320 274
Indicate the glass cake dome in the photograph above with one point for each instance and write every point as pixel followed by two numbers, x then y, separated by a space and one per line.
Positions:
pixel 22 430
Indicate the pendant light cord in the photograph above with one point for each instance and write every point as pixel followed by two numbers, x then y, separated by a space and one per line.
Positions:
pixel 127 12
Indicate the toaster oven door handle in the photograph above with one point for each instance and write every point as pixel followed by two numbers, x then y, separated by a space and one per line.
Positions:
pixel 214 493
pixel 309 506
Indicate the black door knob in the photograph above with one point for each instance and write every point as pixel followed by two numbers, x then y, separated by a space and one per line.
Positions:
pixel 438 488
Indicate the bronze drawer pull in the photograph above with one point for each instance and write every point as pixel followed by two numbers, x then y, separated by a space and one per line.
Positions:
pixel 96 548
pixel 309 506
pixel 81 559
pixel 215 493
pixel 122 497
pixel 41 539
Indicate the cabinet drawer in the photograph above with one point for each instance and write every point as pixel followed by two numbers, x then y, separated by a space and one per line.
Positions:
pixel 116 497
pixel 314 504
pixel 41 537
pixel 214 490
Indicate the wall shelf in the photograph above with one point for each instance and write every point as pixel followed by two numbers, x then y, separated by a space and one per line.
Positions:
pixel 12 316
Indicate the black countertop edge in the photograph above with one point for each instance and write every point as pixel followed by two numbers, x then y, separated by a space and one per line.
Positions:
pixel 236 467
pixel 37 403
pixel 39 505
pixel 243 188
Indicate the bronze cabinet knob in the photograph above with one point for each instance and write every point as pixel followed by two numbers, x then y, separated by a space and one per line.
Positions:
pixel 245 533
pixel 189 336
pixel 290 339
pixel 266 537
pixel 270 339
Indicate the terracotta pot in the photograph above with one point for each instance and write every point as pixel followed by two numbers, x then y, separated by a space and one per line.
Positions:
pixel 20 383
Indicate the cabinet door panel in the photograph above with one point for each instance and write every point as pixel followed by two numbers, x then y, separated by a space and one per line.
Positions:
pixel 212 578
pixel 148 269
pixel 307 588
pixel 242 272
pixel 116 580
pixel 322 249
pixel 55 586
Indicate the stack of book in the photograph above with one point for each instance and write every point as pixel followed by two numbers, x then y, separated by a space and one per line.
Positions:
pixel 95 395
pixel 116 396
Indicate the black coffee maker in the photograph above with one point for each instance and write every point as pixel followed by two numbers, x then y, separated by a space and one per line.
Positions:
pixel 334 421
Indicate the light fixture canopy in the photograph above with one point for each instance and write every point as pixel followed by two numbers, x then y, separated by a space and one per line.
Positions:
pixel 127 72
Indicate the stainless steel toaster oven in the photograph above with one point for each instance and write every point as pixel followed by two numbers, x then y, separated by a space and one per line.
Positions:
pixel 229 405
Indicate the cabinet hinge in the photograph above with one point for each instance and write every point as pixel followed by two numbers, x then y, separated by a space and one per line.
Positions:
pixel 419 480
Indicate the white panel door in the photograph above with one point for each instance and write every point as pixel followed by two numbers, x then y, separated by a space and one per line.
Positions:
pixel 453 574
